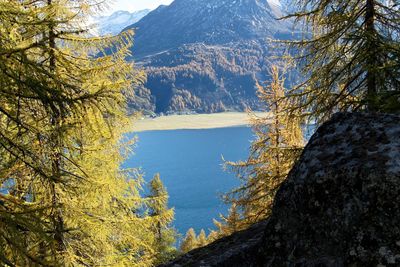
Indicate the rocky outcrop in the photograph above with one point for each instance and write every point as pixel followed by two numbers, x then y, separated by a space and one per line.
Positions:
pixel 338 207
pixel 237 250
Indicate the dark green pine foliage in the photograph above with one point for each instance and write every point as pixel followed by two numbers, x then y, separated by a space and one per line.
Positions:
pixel 351 56
pixel 164 234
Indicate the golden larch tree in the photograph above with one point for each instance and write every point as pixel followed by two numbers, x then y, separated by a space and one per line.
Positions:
pixel 279 141
pixel 64 199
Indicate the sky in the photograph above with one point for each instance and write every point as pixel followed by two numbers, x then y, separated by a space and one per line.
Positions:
pixel 133 5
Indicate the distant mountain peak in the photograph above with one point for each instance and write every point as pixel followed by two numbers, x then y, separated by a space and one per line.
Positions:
pixel 210 22
pixel 206 55
pixel 117 21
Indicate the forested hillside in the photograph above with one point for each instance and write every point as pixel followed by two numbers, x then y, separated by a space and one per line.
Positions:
pixel 206 78
pixel 206 56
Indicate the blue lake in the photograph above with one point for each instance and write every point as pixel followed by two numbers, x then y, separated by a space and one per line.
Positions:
pixel 190 164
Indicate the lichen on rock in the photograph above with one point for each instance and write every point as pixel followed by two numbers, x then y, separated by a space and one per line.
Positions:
pixel 338 207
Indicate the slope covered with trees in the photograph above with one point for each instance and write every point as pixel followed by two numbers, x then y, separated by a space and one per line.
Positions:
pixel 206 56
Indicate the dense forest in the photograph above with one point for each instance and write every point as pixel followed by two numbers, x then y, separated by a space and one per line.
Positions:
pixel 207 56
pixel 65 200
pixel 207 79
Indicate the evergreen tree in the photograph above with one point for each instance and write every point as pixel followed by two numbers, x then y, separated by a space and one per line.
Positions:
pixel 202 239
pixel 231 223
pixel 164 234
pixel 350 58
pixel 190 242
pixel 64 199
pixel 212 236
pixel 279 141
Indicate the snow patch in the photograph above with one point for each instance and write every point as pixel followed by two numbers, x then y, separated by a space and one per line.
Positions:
pixel 274 3
pixel 117 21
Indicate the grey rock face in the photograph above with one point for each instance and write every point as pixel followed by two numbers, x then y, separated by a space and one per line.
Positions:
pixel 338 207
pixel 237 250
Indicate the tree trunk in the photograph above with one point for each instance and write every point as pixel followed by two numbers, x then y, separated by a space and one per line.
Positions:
pixel 57 218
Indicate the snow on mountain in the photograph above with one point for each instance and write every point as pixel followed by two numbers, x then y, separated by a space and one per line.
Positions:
pixel 208 21
pixel 117 21
pixel 276 7
pixel 207 55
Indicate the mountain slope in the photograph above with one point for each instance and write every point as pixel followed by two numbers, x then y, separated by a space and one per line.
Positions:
pixel 209 22
pixel 207 56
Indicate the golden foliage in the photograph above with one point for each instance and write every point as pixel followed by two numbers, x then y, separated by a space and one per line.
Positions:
pixel 64 199
pixel 349 58
pixel 190 242
pixel 279 140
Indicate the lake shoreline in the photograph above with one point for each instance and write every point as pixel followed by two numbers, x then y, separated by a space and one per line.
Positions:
pixel 195 121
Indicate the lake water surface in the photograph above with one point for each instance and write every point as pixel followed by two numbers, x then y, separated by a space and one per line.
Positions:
pixel 190 165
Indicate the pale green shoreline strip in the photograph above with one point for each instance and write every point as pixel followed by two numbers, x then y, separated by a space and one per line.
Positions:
pixel 197 121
